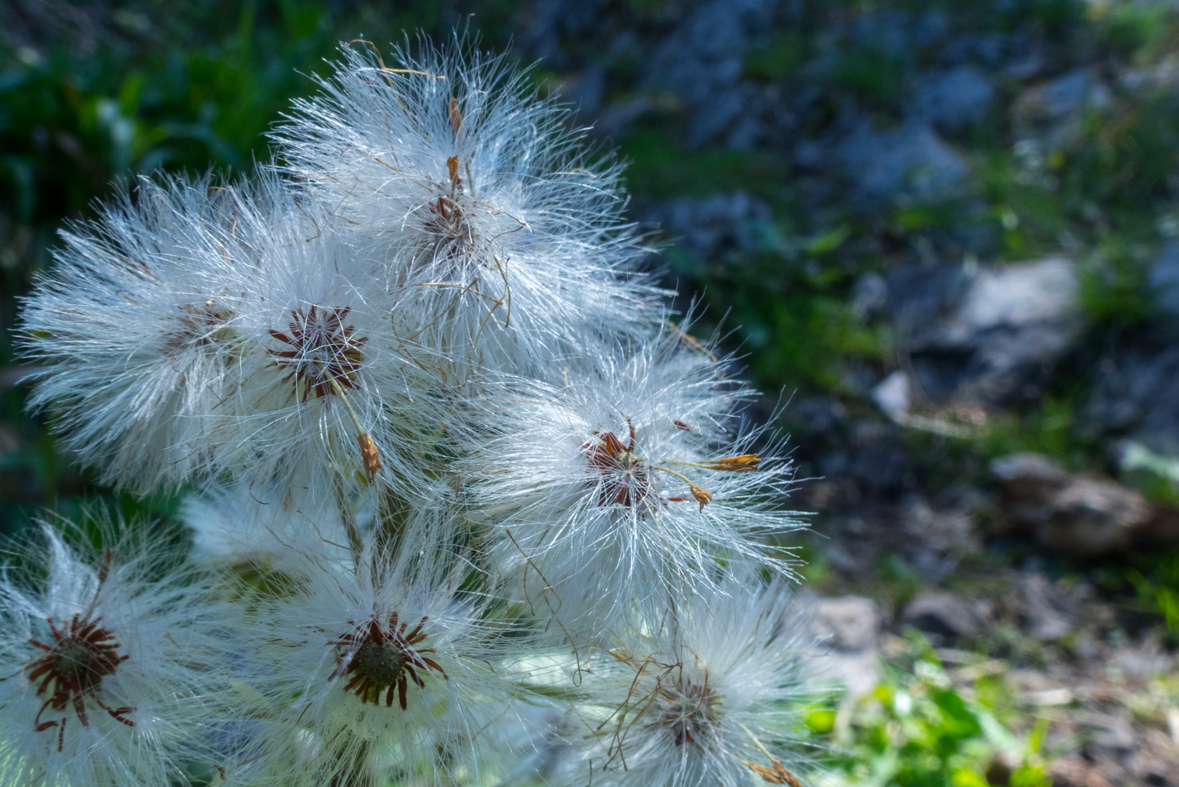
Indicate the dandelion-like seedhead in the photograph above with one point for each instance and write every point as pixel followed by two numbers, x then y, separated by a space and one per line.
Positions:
pixel 134 333
pixel 109 671
pixel 251 526
pixel 321 385
pixel 466 505
pixel 708 697
pixel 501 232
pixel 394 669
pixel 621 492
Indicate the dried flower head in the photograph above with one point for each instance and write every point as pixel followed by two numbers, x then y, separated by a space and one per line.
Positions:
pixel 109 674
pixel 502 239
pixel 133 332
pixel 710 696
pixel 621 491
pixel 382 668
pixel 322 392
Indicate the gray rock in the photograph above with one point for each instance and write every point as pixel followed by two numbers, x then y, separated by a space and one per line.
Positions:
pixel 847 630
pixel 946 617
pixel 1047 612
pixel 920 297
pixel 550 19
pixel 909 159
pixel 587 91
pixel 869 295
pixel 1156 773
pixel 706 227
pixel 1134 396
pixel 1075 771
pixel 1080 515
pixel 724 109
pixel 987 49
pixel 1028 479
pixel 1016 295
pixel 1109 734
pixel 1053 112
pixel 848 623
pixel 1162 529
pixel 703 62
pixel 878 463
pixel 953 100
pixel 892 396
pixel 1091 517
pixel 1075 91
pixel 900 34
pixel 935 539
pixel 1143 664
pixel 992 336
pixel 817 417
pixel 1163 280
pixel 613 120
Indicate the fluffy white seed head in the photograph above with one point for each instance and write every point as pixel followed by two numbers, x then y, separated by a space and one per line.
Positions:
pixel 422 388
pixel 110 671
pixel 501 232
pixel 132 331
pixel 380 670
pixel 619 492
pixel 202 331
pixel 321 386
pixel 710 696
pixel 252 526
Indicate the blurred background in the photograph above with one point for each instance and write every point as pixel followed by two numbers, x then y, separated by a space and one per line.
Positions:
pixel 943 235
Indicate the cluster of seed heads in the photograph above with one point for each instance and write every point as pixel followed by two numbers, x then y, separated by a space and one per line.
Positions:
pixel 463 504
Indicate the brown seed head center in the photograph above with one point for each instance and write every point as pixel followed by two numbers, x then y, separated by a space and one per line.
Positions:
pixel 624 478
pixel 690 711
pixel 381 660
pixel 622 473
pixel 323 349
pixel 83 653
pixel 71 671
pixel 381 663
pixel 447 219
pixel 199 325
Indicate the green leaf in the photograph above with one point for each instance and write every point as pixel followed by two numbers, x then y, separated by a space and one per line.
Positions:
pixel 829 242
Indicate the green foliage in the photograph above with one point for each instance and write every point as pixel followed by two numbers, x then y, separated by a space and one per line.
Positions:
pixel 1154 580
pixel 802 338
pixel 70 125
pixel 1114 291
pixel 917 730
pixel 1059 19
pixel 900 580
pixel 1032 216
pixel 1137 31
pixel 870 74
pixel 779 58
pixel 661 169
pixel 1155 475
pixel 1045 430
pixel 1117 162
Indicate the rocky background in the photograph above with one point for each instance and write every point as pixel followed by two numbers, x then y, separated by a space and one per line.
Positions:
pixel 946 232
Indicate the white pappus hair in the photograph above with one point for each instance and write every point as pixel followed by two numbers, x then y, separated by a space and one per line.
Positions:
pixel 502 233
